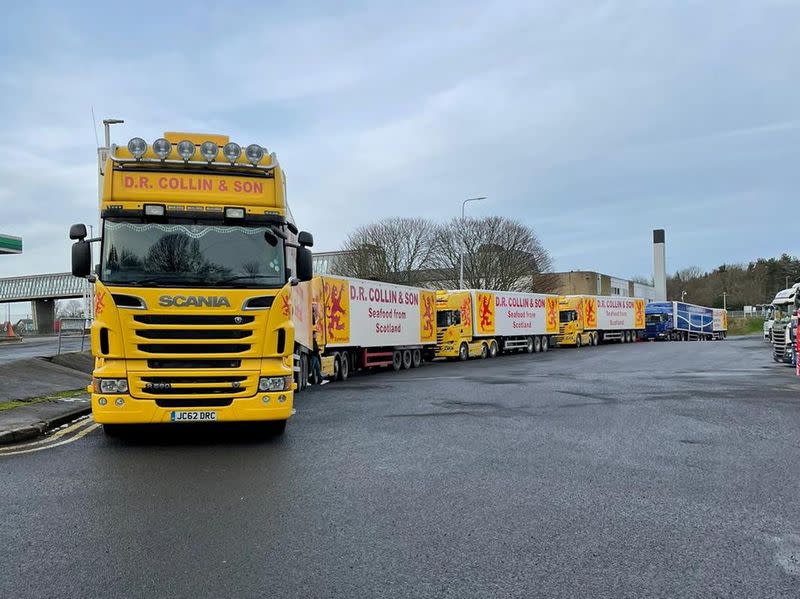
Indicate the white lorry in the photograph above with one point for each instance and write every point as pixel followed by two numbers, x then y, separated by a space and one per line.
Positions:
pixel 785 306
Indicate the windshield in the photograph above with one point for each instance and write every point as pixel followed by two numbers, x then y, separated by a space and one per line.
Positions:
pixel 655 318
pixel 567 316
pixel 446 318
pixel 197 255
pixel 783 311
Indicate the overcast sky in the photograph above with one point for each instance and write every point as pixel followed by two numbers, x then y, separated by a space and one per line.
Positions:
pixel 591 122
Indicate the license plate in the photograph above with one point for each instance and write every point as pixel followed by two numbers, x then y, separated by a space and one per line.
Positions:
pixel 192 416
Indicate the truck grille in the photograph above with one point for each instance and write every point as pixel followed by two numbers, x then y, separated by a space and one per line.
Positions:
pixel 193 387
pixel 779 340
pixel 561 329
pixel 193 334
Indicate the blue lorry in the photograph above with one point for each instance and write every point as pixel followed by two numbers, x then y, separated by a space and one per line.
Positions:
pixel 679 321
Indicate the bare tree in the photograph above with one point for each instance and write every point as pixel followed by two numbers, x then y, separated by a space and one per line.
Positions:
pixel 499 253
pixel 70 309
pixel 396 250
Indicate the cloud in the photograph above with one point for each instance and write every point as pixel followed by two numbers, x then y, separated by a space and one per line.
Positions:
pixel 594 123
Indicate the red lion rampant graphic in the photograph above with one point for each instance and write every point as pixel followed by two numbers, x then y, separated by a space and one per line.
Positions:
pixel 427 318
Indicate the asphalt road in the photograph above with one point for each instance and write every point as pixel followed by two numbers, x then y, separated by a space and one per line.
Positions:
pixel 647 470
pixel 32 347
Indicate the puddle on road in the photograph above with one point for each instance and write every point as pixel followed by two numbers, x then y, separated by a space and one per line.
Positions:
pixel 787 553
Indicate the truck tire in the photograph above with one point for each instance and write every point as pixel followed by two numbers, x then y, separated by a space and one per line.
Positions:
pixel 537 344
pixel 484 351
pixel 406 359
pixel 275 428
pixel 463 352
pixel 303 372
pixel 416 358
pixel 120 431
pixel 578 341
pixel 344 366
pixel 493 348
pixel 530 347
pixel 545 343
pixel 397 361
pixel 595 339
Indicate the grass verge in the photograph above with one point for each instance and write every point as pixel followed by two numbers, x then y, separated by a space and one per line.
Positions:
pixel 18 403
pixel 745 326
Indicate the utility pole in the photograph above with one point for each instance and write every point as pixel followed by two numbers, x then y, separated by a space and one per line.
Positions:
pixel 463 206
pixel 724 301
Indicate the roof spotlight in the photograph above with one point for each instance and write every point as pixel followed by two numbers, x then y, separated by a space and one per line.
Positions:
pixel 209 150
pixel 254 154
pixel 137 147
pixel 232 151
pixel 162 148
pixel 185 149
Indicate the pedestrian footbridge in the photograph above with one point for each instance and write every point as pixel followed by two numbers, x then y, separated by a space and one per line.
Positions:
pixel 59 285
pixel 42 291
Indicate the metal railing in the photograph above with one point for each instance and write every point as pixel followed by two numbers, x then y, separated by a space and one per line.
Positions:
pixel 74 327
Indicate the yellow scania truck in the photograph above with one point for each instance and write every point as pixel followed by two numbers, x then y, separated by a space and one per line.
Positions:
pixel 592 319
pixel 482 323
pixel 192 294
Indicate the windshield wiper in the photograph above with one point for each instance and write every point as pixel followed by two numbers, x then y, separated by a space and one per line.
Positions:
pixel 240 277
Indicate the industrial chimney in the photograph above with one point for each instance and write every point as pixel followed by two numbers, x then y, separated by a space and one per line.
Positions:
pixel 659 265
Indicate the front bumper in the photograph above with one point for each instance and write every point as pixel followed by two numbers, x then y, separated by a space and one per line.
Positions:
pixel 145 411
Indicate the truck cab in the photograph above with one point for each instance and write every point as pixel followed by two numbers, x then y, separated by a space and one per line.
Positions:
pixel 198 259
pixel 785 307
pixel 571 327
pixel 658 321
pixel 454 338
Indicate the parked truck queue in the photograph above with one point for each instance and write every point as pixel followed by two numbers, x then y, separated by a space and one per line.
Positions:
pixel 206 307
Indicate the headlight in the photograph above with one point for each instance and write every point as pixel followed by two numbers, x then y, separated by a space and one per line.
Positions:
pixel 274 383
pixel 209 150
pixel 111 385
pixel 232 151
pixel 254 153
pixel 137 147
pixel 185 149
pixel 162 148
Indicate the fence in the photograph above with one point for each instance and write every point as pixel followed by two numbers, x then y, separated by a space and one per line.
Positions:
pixel 73 327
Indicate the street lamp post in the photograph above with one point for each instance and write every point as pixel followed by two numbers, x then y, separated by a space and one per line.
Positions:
pixel 463 206
pixel 683 295
pixel 724 300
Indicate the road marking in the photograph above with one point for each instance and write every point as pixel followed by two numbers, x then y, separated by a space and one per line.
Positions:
pixel 75 437
pixel 49 438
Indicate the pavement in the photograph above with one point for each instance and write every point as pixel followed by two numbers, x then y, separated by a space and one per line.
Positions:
pixel 637 470
pixel 37 387
pixel 32 347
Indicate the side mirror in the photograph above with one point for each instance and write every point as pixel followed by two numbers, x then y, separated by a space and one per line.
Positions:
pixel 305 239
pixel 77 231
pixel 81 258
pixel 305 264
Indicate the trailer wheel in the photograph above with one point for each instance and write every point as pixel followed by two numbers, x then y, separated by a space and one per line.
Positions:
pixel 337 366
pixel 545 343
pixel 530 346
pixel 406 359
pixel 344 367
pixel 537 344
pixel 463 352
pixel 397 361
pixel 493 348
pixel 416 358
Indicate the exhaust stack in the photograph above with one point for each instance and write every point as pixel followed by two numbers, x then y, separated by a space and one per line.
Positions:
pixel 659 265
